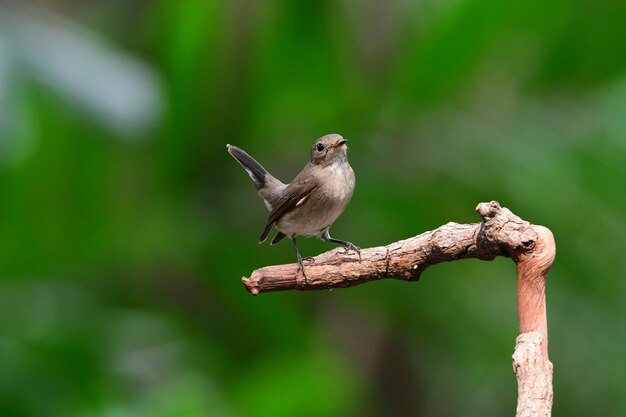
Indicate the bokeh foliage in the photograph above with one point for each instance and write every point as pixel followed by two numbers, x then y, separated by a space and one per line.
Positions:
pixel 121 251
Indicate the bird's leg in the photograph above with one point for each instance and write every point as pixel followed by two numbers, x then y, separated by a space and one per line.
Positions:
pixel 348 246
pixel 300 259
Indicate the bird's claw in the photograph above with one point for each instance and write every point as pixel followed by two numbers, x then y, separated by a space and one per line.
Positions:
pixel 301 267
pixel 350 246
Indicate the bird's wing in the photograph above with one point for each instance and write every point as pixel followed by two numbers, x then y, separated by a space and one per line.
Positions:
pixel 279 236
pixel 295 194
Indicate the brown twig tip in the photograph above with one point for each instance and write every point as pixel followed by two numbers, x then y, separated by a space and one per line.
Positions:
pixel 489 210
pixel 250 286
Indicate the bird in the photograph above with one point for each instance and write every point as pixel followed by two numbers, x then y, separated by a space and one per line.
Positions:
pixel 311 203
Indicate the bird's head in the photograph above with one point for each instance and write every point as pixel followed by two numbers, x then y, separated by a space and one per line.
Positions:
pixel 329 149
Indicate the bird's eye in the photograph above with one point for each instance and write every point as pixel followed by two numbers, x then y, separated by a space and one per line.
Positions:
pixel 320 147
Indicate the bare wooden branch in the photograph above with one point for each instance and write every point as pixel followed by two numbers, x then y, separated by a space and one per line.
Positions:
pixel 534 376
pixel 530 360
pixel 501 233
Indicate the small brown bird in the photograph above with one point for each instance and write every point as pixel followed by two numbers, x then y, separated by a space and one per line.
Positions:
pixel 315 198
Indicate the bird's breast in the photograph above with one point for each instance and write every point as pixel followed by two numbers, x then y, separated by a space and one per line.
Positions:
pixel 325 204
pixel 337 180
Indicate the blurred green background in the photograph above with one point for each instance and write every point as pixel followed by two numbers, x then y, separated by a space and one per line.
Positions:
pixel 125 226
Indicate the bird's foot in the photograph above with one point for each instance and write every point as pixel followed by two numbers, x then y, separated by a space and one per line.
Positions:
pixel 350 246
pixel 301 267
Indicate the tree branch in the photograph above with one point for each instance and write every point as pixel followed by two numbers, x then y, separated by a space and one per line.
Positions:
pixel 501 233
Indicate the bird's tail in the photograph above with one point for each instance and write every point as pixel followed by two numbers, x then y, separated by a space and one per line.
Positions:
pixel 252 167
pixel 270 188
